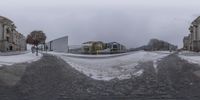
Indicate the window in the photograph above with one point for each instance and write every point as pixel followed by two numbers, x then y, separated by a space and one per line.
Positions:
pixel 7 38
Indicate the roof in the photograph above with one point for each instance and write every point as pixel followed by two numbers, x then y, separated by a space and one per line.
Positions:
pixel 58 38
pixel 197 20
pixel 90 42
pixel 5 19
pixel 113 43
pixel 61 38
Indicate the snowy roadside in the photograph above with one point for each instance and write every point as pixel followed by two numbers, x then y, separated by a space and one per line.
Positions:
pixel 89 56
pixel 22 58
pixel 192 57
pixel 121 67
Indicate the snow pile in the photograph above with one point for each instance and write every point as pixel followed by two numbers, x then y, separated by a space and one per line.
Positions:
pixel 121 67
pixel 162 52
pixel 192 57
pixel 22 58
pixel 189 53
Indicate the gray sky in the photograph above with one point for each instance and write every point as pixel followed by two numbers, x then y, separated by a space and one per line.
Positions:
pixel 130 22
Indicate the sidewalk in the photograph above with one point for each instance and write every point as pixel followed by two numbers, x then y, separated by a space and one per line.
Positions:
pixel 12 53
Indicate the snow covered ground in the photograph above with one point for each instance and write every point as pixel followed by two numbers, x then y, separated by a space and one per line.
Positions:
pixel 27 57
pixel 192 57
pixel 88 56
pixel 121 67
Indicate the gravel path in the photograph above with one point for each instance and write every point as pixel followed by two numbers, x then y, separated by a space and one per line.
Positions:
pixel 52 79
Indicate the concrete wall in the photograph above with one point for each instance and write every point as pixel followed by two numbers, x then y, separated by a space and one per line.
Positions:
pixel 58 45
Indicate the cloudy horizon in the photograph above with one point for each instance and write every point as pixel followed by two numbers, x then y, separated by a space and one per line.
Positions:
pixel 130 22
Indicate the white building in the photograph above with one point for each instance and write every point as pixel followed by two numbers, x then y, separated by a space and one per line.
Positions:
pixel 58 45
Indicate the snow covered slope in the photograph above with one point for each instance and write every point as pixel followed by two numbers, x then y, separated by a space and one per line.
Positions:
pixel 121 67
pixel 27 57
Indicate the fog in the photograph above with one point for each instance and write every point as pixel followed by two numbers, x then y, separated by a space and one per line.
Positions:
pixel 130 22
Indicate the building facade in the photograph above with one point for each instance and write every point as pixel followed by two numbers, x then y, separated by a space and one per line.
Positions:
pixel 98 47
pixel 58 45
pixel 186 41
pixel 116 47
pixel 10 39
pixel 192 41
pixel 93 47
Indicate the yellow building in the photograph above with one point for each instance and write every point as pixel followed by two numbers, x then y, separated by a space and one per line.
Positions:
pixel 93 47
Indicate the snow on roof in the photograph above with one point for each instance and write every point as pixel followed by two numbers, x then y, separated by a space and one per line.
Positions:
pixel 90 42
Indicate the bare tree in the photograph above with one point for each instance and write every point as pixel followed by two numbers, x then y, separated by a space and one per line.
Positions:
pixel 35 38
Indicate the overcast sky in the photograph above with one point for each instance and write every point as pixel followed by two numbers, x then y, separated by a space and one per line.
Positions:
pixel 130 22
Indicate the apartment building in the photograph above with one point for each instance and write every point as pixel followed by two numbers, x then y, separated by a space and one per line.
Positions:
pixel 10 38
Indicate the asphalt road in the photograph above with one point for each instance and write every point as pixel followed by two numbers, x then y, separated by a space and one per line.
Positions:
pixel 52 79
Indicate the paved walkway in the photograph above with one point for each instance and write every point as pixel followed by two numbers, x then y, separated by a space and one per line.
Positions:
pixel 52 79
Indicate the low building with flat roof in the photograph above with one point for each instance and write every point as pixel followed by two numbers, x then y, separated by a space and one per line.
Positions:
pixel 58 45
